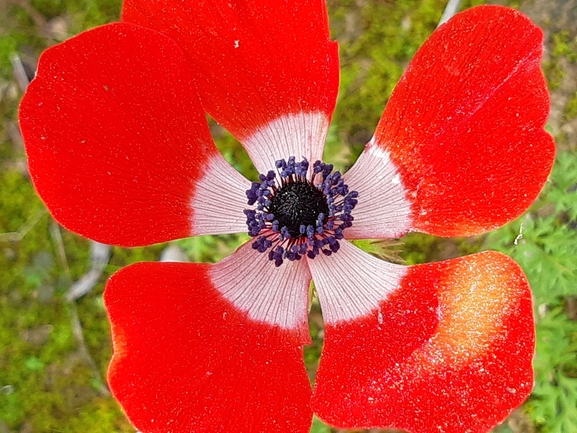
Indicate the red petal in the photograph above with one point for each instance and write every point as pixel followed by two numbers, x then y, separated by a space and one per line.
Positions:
pixel 254 60
pixel 115 136
pixel 186 359
pixel 449 351
pixel 464 126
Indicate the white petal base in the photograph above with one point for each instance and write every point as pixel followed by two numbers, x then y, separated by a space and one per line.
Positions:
pixel 219 200
pixel 383 210
pixel 276 296
pixel 300 135
pixel 352 283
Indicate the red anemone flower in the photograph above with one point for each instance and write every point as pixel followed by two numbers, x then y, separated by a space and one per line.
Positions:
pixel 119 150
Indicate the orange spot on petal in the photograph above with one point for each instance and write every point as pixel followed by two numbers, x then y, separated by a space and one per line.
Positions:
pixel 475 297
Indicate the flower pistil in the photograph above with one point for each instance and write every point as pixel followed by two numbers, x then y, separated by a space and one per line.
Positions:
pixel 297 215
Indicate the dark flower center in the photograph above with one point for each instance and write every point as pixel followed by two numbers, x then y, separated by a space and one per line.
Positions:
pixel 298 212
pixel 296 204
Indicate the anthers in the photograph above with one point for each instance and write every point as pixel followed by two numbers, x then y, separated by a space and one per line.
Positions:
pixel 299 211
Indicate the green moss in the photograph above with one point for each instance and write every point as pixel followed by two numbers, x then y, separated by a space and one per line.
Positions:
pixel 374 51
pixel 233 151
pixel 18 201
pixel 82 14
pixel 564 49
pixel 102 415
pixel 420 248
pixel 571 107
pixel 565 45
pixel 50 8
pixel 91 13
pixel 8 46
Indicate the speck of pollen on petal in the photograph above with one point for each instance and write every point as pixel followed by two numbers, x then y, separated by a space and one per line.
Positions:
pixel 297 215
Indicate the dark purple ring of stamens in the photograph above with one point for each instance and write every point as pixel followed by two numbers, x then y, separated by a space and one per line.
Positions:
pixel 313 211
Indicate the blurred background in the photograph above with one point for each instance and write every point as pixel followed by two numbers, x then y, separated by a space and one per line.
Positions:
pixel 54 335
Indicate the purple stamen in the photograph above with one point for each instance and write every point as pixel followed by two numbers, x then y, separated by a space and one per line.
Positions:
pixel 296 215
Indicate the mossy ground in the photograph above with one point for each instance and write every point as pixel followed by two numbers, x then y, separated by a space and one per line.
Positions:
pixel 51 380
